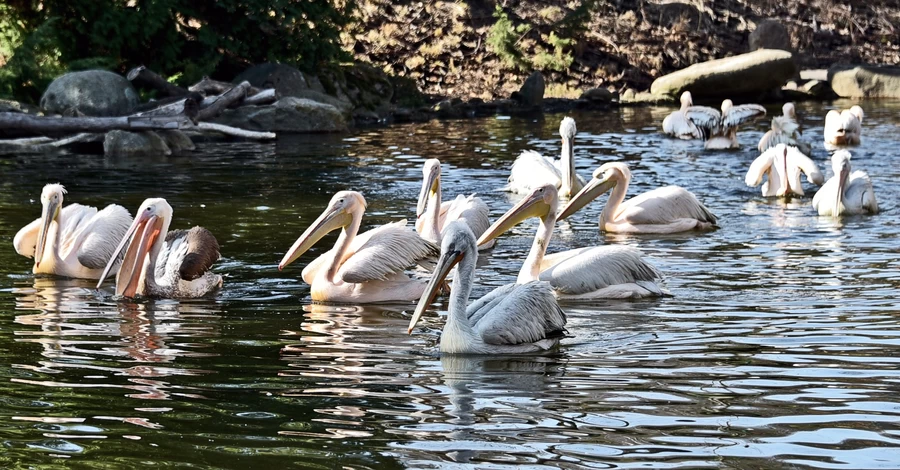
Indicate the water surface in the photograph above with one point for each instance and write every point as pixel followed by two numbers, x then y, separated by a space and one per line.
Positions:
pixel 779 347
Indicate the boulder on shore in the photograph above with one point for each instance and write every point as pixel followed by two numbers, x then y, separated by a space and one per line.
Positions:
pixel 752 73
pixel 532 91
pixel 288 114
pixel 92 92
pixel 134 144
pixel 770 34
pixel 865 81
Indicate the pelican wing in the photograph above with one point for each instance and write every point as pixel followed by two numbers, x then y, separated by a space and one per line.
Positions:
pixel 859 195
pixel 196 249
pixel 25 240
pixel 774 137
pixel 384 251
pixel 531 170
pixel 526 314
pixel 479 308
pixel 760 167
pixel 708 120
pixel 796 159
pixel 598 268
pixel 472 210
pixel 663 206
pixel 73 219
pixel 741 114
pixel 101 235
pixel 678 125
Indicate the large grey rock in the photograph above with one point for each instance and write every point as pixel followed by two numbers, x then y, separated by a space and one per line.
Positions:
pixel 754 72
pixel 770 34
pixel 177 141
pixel 865 81
pixel 134 144
pixel 532 91
pixel 92 92
pixel 363 86
pixel 288 114
pixel 286 80
pixel 601 95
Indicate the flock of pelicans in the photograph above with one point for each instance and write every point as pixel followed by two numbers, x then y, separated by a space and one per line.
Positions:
pixel 387 263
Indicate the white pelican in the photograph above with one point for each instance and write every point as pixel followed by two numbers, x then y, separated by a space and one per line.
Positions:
pixel 668 209
pixel 677 124
pixel 512 319
pixel 720 129
pixel 843 127
pixel 163 264
pixel 845 193
pixel 365 268
pixel 785 130
pixel 782 165
pixel 599 272
pixel 72 241
pixel 432 215
pixel 531 169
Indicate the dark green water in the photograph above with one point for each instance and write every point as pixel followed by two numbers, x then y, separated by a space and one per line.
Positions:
pixel 779 349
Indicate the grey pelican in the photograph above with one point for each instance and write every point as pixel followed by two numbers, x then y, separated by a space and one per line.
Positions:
pixel 843 127
pixel 73 241
pixel 361 269
pixel 845 193
pixel 678 125
pixel 432 215
pixel 512 319
pixel 720 128
pixel 599 272
pixel 785 130
pixel 668 209
pixel 782 165
pixel 531 169
pixel 163 264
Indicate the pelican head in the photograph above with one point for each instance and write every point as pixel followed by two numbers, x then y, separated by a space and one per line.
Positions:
pixel 840 164
pixel 341 211
pixel 857 111
pixel 458 242
pixel 788 110
pixel 144 238
pixel 51 204
pixel 604 179
pixel 431 184
pixel 686 100
pixel 567 129
pixel 726 105
pixel 541 202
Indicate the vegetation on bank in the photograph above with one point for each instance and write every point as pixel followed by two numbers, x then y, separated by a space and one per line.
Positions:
pixel 473 48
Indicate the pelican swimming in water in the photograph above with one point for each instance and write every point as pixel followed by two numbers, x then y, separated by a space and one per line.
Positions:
pixel 512 319
pixel 599 272
pixel 678 125
pixel 782 166
pixel 668 209
pixel 163 264
pixel 719 129
pixel 73 241
pixel 531 169
pixel 361 269
pixel 845 193
pixel 432 215
pixel 843 127
pixel 785 130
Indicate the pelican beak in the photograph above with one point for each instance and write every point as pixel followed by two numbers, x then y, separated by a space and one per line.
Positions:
pixel 839 194
pixel 784 190
pixel 140 237
pixel 429 188
pixel 588 193
pixel 444 265
pixel 49 212
pixel 331 219
pixel 532 205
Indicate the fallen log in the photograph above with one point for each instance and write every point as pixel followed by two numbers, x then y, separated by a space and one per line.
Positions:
pixel 187 107
pixel 208 86
pixel 237 93
pixel 263 97
pixel 43 144
pixel 235 131
pixel 142 77
pixel 44 124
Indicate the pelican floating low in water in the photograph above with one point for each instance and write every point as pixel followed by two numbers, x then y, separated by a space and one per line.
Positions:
pixel 531 169
pixel 720 128
pixel 843 127
pixel 73 241
pixel 785 130
pixel 845 193
pixel 599 272
pixel 678 125
pixel 668 209
pixel 782 165
pixel 433 216
pixel 512 319
pixel 361 269
pixel 163 264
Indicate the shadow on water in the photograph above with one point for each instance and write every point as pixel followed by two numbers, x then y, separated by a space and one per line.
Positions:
pixel 778 348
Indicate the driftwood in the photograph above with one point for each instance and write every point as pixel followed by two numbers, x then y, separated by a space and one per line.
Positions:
pixel 263 97
pixel 44 124
pixel 237 93
pixel 143 77
pixel 44 144
pixel 237 132
pixel 208 86
pixel 188 107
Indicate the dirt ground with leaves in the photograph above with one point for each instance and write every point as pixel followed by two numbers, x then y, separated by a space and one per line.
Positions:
pixel 485 49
